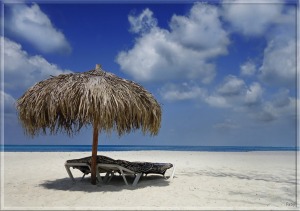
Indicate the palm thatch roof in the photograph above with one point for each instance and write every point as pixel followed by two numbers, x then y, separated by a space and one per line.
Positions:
pixel 67 102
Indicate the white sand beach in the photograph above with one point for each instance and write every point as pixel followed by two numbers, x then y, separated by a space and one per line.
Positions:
pixel 202 181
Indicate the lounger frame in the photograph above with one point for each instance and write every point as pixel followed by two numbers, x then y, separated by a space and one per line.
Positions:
pixel 110 170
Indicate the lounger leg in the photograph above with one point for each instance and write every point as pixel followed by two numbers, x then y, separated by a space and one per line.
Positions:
pixel 124 178
pixel 137 178
pixel 83 177
pixel 111 176
pixel 106 177
pixel 174 167
pixel 98 176
pixel 70 173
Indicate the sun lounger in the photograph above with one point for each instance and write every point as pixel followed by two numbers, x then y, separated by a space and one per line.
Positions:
pixel 114 168
pixel 110 167
pixel 84 165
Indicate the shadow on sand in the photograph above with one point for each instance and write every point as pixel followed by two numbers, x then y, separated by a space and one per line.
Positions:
pixel 116 184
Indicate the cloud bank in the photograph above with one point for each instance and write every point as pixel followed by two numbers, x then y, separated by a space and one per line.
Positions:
pixel 185 52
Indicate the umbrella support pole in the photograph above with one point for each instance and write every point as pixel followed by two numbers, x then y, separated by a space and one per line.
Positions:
pixel 94 156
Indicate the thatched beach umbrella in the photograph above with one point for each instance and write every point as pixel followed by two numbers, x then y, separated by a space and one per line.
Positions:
pixel 67 102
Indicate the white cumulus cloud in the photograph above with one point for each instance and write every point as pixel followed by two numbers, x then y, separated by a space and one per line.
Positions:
pixel 254 94
pixel 143 22
pixel 228 94
pixel 9 102
pixel 217 101
pixel 184 91
pixel 34 26
pixel 250 18
pixel 279 59
pixel 282 98
pixel 183 52
pixel 275 21
pixel 271 111
pixel 248 68
pixel 22 70
pixel 201 30
pixel 279 64
pixel 231 86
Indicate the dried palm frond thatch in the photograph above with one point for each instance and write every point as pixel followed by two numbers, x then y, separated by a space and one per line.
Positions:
pixel 67 102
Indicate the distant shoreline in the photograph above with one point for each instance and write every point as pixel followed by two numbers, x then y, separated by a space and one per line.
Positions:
pixel 84 148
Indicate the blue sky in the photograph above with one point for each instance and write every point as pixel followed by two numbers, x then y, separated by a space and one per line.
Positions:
pixel 223 71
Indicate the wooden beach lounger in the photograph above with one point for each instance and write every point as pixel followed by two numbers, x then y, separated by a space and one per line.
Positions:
pixel 110 167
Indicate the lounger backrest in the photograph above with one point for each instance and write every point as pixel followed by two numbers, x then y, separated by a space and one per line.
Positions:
pixel 138 167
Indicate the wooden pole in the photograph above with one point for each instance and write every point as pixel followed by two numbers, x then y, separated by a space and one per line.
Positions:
pixel 95 146
pixel 94 155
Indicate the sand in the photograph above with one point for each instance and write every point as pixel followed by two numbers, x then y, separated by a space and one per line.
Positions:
pixel 202 181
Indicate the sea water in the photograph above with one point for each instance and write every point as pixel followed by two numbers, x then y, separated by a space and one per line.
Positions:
pixel 84 148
